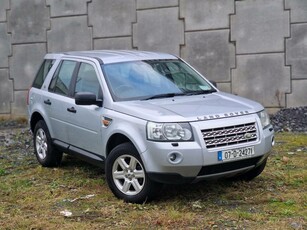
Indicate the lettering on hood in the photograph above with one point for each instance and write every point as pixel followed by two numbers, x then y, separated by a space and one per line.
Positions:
pixel 222 115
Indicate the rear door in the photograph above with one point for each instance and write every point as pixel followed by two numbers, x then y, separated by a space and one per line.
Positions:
pixel 57 99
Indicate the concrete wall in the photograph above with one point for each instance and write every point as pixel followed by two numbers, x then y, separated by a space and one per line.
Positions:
pixel 253 48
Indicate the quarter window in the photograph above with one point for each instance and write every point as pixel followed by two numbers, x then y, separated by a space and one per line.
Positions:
pixel 42 73
pixel 62 78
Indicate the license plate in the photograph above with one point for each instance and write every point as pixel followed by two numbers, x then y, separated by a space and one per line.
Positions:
pixel 235 154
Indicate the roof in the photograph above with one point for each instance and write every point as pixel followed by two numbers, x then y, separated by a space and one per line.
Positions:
pixel 112 56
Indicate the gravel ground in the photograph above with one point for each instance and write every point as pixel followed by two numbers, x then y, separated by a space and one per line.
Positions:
pixel 18 140
pixel 9 124
pixel 290 120
pixel 16 136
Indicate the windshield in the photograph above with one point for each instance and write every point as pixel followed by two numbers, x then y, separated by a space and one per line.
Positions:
pixel 143 80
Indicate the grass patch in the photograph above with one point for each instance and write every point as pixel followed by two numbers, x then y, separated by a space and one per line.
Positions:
pixel 33 197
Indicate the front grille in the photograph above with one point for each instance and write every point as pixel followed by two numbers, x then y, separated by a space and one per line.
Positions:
pixel 230 135
pixel 229 166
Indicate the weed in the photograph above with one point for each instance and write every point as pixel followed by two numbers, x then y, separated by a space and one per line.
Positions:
pixel 2 172
pixel 287 212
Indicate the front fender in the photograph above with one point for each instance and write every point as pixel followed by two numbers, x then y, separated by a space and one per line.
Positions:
pixel 136 133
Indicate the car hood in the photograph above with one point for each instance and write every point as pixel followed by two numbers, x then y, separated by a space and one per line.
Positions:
pixel 189 108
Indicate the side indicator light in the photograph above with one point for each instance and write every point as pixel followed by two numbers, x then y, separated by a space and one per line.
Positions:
pixel 106 122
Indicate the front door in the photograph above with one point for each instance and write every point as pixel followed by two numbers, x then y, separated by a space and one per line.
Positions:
pixel 85 123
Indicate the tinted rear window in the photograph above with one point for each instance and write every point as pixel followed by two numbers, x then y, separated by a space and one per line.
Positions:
pixel 42 73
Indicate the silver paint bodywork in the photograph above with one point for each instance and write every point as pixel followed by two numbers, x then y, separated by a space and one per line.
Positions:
pixel 85 130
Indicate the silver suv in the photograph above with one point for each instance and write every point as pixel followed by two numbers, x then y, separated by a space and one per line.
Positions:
pixel 147 118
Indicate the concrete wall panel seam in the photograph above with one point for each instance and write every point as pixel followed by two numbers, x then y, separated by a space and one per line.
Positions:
pixel 156 8
pixel 298 9
pixel 26 26
pixel 111 18
pixel 67 7
pixel 145 4
pixel 68 16
pixel 165 35
pixel 5 6
pixel 260 26
pixel 235 47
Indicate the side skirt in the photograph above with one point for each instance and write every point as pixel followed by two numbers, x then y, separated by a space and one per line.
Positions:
pixel 82 154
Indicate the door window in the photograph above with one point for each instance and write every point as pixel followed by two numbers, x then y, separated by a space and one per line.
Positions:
pixel 61 80
pixel 87 80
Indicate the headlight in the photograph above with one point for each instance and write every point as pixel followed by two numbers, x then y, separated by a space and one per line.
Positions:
pixel 264 118
pixel 169 131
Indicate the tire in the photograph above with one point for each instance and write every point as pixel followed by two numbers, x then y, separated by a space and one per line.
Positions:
pixel 126 175
pixel 250 175
pixel 46 153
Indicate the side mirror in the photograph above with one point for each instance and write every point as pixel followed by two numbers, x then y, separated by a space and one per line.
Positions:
pixel 213 83
pixel 86 98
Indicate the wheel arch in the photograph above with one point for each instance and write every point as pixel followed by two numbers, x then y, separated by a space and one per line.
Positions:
pixel 118 138
pixel 36 116
pixel 115 140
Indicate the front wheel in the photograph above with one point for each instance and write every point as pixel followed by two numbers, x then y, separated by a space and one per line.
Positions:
pixel 126 175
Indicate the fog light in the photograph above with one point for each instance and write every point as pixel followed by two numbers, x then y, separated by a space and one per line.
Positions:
pixel 172 157
pixel 273 141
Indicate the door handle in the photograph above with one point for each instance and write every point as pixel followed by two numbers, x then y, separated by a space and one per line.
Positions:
pixel 72 110
pixel 47 102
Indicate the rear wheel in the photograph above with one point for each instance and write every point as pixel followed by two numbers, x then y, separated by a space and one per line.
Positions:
pixel 126 175
pixel 47 155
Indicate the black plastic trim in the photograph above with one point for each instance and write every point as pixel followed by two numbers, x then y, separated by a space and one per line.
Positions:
pixel 87 156
pixel 82 154
pixel 61 145
pixel 169 178
pixel 99 60
pixel 228 166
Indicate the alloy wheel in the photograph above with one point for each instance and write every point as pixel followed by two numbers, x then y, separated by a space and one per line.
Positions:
pixel 128 175
pixel 41 143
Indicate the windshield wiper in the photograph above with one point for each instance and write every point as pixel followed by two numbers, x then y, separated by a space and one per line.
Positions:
pixel 198 92
pixel 164 95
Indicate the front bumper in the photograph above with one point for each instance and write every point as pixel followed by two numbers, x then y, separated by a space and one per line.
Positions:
pixel 194 162
pixel 211 172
